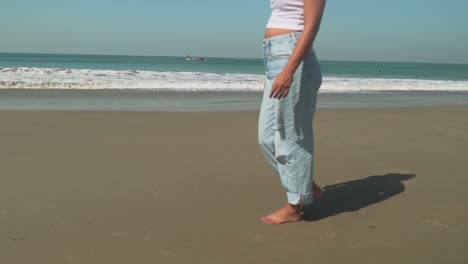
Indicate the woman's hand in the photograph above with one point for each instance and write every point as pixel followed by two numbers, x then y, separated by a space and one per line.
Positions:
pixel 283 81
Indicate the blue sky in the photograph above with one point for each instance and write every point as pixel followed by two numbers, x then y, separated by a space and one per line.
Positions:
pixel 363 30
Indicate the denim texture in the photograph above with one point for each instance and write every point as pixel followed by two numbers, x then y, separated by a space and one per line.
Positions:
pixel 285 126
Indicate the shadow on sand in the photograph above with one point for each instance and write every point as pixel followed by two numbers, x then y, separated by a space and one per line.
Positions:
pixel 354 195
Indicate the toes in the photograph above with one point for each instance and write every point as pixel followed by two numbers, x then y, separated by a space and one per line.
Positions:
pixel 271 220
pixel 267 220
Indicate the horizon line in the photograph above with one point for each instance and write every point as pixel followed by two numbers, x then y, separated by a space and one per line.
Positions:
pixel 259 58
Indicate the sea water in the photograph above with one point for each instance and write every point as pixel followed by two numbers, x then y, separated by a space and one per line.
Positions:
pixel 103 82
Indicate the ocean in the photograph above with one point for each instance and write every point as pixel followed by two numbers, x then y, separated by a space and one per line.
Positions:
pixel 104 82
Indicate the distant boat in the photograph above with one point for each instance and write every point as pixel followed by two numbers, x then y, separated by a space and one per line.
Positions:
pixel 188 58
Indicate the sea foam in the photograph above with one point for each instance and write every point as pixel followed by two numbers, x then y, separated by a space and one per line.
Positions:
pixel 55 78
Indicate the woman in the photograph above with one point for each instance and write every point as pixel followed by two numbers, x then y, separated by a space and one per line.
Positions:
pixel 293 78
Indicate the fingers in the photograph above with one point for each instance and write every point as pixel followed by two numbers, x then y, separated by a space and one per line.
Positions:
pixel 284 93
pixel 279 92
pixel 274 92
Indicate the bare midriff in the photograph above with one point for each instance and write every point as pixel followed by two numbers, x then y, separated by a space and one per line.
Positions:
pixel 271 32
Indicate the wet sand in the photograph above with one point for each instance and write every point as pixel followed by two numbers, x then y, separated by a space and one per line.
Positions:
pixel 163 187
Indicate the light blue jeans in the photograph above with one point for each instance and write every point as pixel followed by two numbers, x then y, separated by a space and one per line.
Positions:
pixel 285 130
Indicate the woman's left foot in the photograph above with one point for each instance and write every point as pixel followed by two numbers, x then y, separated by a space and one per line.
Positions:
pixel 289 213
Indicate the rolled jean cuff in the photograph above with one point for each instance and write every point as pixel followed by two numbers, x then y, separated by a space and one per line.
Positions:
pixel 295 199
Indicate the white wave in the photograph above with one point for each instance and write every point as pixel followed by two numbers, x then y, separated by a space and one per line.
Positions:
pixel 333 84
pixel 38 78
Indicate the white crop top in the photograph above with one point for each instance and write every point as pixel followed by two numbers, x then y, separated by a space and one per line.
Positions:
pixel 287 14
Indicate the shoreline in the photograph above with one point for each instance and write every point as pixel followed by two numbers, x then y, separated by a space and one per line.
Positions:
pixel 166 101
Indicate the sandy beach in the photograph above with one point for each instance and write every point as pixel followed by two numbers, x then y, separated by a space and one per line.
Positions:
pixel 189 187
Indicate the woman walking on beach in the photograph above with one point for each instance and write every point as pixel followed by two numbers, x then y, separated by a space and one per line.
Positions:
pixel 293 78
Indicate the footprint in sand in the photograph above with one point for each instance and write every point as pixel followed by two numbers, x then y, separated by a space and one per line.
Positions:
pixel 328 235
pixel 435 223
pixel 257 238
pixel 282 242
pixel 146 236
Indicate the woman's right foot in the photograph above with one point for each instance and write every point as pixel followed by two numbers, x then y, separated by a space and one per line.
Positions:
pixel 289 213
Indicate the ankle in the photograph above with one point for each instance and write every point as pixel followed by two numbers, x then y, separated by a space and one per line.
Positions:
pixel 296 208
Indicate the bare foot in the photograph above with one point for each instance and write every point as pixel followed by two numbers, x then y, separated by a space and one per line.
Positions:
pixel 289 213
pixel 318 192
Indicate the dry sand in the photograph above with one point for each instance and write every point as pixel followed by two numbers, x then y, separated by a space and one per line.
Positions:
pixel 154 187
